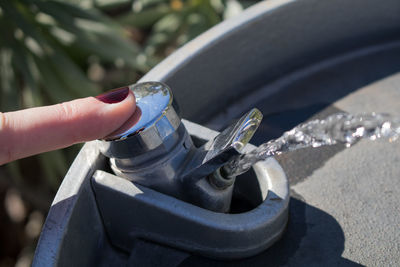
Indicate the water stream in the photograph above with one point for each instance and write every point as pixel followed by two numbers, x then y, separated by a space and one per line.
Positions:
pixel 337 128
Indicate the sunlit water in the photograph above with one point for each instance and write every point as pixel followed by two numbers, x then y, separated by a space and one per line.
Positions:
pixel 338 128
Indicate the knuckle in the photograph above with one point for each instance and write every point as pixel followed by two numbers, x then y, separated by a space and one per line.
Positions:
pixel 67 110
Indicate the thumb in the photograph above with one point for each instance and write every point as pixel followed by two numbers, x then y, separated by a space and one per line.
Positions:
pixel 36 130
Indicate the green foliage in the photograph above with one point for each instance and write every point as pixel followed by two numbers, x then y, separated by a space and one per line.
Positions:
pixel 44 53
pixel 57 50
pixel 53 51
pixel 172 23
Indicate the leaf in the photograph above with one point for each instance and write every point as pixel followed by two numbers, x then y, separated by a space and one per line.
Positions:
pixel 111 4
pixel 96 36
pixel 9 92
pixel 210 13
pixel 140 5
pixel 164 33
pixel 69 74
pixel 196 24
pixel 54 166
pixel 68 9
pixel 20 18
pixel 22 62
pixel 145 18
pixel 55 89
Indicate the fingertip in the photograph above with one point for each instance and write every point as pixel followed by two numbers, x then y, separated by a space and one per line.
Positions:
pixel 41 129
pixel 112 116
pixel 114 96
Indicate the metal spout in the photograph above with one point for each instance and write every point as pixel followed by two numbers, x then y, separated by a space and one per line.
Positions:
pixel 154 149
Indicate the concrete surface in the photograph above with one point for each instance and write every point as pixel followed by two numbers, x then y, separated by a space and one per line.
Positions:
pixel 360 186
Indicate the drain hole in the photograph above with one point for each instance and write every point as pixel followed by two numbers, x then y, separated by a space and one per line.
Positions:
pixel 246 193
pixel 240 204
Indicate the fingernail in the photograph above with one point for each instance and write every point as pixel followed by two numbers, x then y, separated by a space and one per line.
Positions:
pixel 114 96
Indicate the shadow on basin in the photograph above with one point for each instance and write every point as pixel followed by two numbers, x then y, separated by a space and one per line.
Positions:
pixel 313 238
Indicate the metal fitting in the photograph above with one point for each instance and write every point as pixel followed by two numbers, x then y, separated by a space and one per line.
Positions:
pixel 154 149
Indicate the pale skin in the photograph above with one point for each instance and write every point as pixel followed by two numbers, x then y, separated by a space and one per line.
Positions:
pixel 36 130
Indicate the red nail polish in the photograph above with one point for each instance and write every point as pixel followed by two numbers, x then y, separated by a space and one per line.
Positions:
pixel 114 96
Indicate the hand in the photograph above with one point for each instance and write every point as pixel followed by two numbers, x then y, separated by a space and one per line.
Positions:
pixel 31 131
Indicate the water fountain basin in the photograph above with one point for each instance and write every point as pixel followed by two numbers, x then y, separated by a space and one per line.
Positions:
pixel 293 60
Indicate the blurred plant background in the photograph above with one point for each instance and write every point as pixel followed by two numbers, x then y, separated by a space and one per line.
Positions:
pixel 55 51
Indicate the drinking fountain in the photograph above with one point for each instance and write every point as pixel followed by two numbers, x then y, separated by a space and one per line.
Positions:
pixel 291 59
pixel 172 174
pixel 154 149
pixel 158 179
